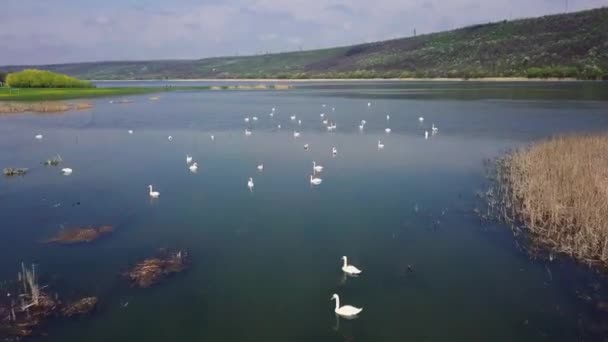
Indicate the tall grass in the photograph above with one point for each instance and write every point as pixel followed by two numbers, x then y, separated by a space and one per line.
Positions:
pixel 557 190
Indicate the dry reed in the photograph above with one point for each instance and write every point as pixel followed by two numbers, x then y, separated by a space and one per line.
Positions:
pixel 42 107
pixel 557 190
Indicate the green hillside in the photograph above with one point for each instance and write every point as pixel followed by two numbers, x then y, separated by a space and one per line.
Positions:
pixel 566 45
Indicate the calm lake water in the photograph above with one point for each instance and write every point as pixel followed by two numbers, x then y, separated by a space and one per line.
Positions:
pixel 265 263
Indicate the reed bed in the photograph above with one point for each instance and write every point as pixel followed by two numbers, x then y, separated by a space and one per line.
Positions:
pixel 42 107
pixel 557 191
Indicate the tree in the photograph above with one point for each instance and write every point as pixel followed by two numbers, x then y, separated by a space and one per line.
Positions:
pixel 2 78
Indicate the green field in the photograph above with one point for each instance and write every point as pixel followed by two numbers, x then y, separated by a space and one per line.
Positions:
pixel 43 94
pixel 572 45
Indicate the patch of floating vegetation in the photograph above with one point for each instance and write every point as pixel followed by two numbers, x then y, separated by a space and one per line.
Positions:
pixel 42 107
pixel 26 305
pixel 53 161
pixel 554 194
pixel 14 171
pixel 151 271
pixel 80 235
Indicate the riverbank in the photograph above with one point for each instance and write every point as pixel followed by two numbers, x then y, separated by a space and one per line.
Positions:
pixel 556 193
pixel 308 80
pixel 45 94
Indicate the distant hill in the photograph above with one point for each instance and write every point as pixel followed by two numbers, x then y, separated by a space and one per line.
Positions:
pixel 565 45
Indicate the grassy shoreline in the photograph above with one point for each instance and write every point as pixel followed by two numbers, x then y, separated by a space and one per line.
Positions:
pixel 555 192
pixel 45 94
pixel 307 80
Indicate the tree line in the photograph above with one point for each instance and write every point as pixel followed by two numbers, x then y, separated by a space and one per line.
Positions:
pixel 33 78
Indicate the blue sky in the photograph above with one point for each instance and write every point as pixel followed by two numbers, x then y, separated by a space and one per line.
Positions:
pixel 58 31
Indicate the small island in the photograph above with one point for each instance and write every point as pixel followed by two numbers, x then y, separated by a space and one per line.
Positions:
pixel 151 271
pixel 78 235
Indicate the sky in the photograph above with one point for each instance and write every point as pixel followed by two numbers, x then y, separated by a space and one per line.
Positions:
pixel 65 31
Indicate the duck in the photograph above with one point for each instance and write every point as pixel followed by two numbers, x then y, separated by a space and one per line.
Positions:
pixel 188 159
pixel 261 167
pixel 315 180
pixel 380 145
pixel 250 184
pixel 66 171
pixel 153 194
pixel 349 269
pixel 193 167
pixel 317 168
pixel 346 311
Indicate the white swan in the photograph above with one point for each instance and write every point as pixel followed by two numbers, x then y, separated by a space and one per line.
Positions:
pixel 387 130
pixel 323 105
pixel 434 129
pixel 130 131
pixel 273 109
pixel 271 115
pixel 369 104
pixel 246 119
pixel 278 126
pixel 296 134
pixel 293 117
pixel 250 184
pixel 315 180
pixel 333 109
pixel 421 119
pixel 170 138
pixel 255 118
pixel 193 167
pixel 38 136
pixel 188 159
pixel 350 269
pixel 388 117
pixel 380 145
pixel 317 168
pixel 299 122
pixel 426 134
pixel 306 147
pixel 363 122
pixel 247 132
pixel 346 310
pixel 322 115
pixel 334 150
pixel 325 122
pixel 361 127
pixel 212 137
pixel 66 171
pixel 261 167
pixel 153 194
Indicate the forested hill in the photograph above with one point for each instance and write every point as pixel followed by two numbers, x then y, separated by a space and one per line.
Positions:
pixel 566 45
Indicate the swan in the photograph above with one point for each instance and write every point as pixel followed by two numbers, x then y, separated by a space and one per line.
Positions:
pixel 170 138
pixel 38 136
pixel 435 129
pixel 255 118
pixel 193 167
pixel 346 310
pixel 334 150
pixel 299 122
pixel 349 269
pixel 296 134
pixel 380 145
pixel 130 131
pixel 66 171
pixel 273 109
pixel 212 137
pixel 361 127
pixel 247 132
pixel 306 147
pixel 188 159
pixel 250 184
pixel 271 115
pixel 323 105
pixel 388 130
pixel 369 104
pixel 293 117
pixel 246 119
pixel 325 122
pixel 363 122
pixel 153 194
pixel 421 119
pixel 388 117
pixel 278 126
pixel 261 167
pixel 315 181
pixel 322 115
pixel 426 134
pixel 317 168
pixel 333 109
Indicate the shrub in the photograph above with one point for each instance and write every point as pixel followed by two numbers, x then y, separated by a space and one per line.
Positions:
pixel 33 78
